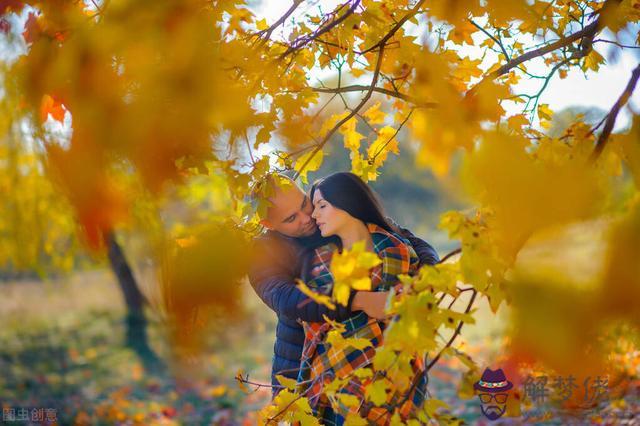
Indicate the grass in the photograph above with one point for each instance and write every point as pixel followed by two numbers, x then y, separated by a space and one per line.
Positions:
pixel 61 347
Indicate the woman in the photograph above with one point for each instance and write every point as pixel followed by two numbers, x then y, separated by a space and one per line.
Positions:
pixel 346 210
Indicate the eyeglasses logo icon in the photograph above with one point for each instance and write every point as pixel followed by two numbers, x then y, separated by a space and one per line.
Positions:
pixel 493 390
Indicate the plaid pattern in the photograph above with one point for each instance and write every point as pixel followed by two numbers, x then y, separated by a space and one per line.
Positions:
pixel 321 363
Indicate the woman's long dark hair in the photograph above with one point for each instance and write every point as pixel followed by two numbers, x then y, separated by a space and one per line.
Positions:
pixel 348 192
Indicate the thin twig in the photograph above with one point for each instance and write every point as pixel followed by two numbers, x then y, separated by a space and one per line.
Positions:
pixel 258 385
pixel 303 41
pixel 597 126
pixel 450 254
pixel 456 332
pixel 548 79
pixel 381 148
pixel 267 33
pixel 337 46
pixel 362 88
pixel 383 42
pixel 613 114
pixel 623 46
pixel 246 138
pixel 498 42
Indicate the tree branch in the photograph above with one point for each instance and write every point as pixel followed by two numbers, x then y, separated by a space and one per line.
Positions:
pixel 456 332
pixel 450 254
pixel 258 385
pixel 302 41
pixel 396 27
pixel 613 114
pixel 362 88
pixel 337 46
pixel 498 42
pixel 374 82
pixel 382 148
pixel 267 33
pixel 588 31
pixel 623 46
pixel 547 79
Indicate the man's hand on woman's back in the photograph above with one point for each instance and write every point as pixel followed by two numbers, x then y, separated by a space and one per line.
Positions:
pixel 371 302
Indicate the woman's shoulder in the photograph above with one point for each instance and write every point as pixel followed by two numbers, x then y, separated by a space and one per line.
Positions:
pixel 383 238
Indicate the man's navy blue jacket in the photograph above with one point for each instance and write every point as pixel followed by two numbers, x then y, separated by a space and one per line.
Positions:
pixel 278 263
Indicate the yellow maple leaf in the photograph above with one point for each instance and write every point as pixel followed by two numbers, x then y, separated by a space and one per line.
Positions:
pixel 351 137
pixel 377 391
pixel 461 33
pixel 329 123
pixel 315 296
pixel 593 61
pixel 545 112
pixel 467 69
pixel 338 342
pixel 516 122
pixel 354 419
pixel 309 162
pixel 374 115
pixel 356 72
pixel 350 270
pixel 262 25
pixel 286 382
pixel 380 148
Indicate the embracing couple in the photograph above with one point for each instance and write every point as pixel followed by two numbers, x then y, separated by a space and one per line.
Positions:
pixel 303 232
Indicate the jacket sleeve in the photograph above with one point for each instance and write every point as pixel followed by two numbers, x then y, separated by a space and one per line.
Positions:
pixel 272 276
pixel 427 254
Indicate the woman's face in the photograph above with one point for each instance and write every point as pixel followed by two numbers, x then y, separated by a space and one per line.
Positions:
pixel 329 219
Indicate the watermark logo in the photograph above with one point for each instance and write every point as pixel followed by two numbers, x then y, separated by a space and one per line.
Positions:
pixel 29 414
pixel 493 391
pixel 493 388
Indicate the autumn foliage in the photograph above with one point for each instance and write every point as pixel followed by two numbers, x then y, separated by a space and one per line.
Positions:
pixel 200 100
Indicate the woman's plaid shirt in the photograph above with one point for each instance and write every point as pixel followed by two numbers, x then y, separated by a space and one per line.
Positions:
pixel 320 362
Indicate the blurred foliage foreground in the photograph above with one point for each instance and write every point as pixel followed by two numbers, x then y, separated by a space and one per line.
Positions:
pixel 132 132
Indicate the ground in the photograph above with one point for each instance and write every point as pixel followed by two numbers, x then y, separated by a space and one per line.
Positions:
pixel 61 348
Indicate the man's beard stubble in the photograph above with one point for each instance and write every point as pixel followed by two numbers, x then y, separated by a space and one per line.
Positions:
pixel 492 412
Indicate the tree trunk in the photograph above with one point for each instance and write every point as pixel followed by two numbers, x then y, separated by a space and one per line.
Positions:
pixel 136 322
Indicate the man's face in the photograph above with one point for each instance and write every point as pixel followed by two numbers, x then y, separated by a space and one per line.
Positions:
pixel 493 404
pixel 290 213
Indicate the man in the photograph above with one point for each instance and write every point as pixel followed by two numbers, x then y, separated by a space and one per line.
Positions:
pixel 279 257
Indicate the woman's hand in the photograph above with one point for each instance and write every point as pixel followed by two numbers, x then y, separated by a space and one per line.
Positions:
pixel 371 302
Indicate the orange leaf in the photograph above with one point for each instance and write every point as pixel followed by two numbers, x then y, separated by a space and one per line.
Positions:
pixel 53 106
pixel 13 5
pixel 32 29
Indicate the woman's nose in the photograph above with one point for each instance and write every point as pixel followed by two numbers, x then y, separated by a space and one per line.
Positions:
pixel 313 213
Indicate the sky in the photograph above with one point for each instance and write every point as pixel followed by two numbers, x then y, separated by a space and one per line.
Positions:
pixel 600 90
